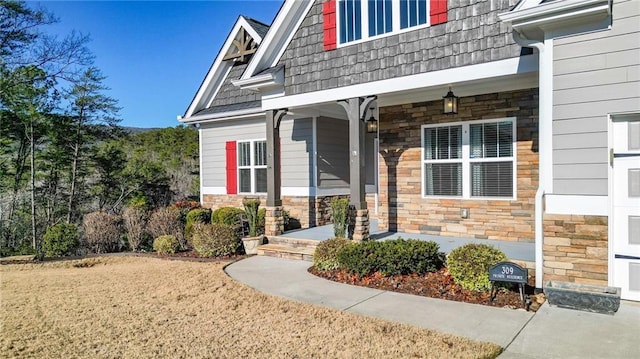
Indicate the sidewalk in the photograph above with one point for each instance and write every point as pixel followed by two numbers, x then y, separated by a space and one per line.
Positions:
pixel 550 333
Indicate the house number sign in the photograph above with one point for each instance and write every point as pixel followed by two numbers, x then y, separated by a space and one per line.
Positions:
pixel 508 272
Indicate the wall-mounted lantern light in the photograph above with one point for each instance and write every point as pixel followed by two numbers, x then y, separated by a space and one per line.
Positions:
pixel 450 103
pixel 372 123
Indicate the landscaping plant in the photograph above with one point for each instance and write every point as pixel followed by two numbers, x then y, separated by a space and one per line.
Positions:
pixel 60 240
pixel 135 223
pixel 391 257
pixel 166 244
pixel 102 232
pixel 215 240
pixel 167 221
pixel 469 265
pixel 196 215
pixel 251 206
pixel 339 216
pixel 325 255
pixel 227 215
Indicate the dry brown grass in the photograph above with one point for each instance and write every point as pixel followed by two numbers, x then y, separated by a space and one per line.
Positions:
pixel 126 307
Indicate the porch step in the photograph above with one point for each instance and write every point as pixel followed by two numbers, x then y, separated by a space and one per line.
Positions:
pixel 287 247
pixel 283 251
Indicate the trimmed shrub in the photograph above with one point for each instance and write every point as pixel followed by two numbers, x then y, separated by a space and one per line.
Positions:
pixel 391 257
pixel 167 221
pixel 215 240
pixel 197 215
pixel 60 240
pixel 339 216
pixel 324 257
pixel 251 206
pixel 469 265
pixel 261 221
pixel 135 222
pixel 102 232
pixel 166 244
pixel 227 215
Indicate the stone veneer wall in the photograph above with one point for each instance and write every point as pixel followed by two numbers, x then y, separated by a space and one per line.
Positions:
pixel 575 248
pixel 401 205
pixel 310 211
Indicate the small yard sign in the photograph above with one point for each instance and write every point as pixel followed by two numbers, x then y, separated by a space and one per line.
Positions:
pixel 508 272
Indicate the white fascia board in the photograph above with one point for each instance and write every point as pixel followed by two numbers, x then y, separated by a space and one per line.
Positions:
pixel 533 22
pixel 261 82
pixel 223 116
pixel 217 72
pixel 508 67
pixel 279 35
pixel 577 205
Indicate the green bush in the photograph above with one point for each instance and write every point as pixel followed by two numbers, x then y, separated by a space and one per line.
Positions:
pixel 324 257
pixel 197 215
pixel 261 221
pixel 166 244
pixel 215 240
pixel 60 240
pixel 251 206
pixel 227 215
pixel 339 216
pixel 391 257
pixel 469 265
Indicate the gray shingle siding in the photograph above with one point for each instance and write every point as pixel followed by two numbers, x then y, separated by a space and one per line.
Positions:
pixel 229 94
pixel 472 35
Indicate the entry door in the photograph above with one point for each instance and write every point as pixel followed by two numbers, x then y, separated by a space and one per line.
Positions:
pixel 626 207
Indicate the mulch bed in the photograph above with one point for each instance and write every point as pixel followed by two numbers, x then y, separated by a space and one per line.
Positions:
pixel 436 285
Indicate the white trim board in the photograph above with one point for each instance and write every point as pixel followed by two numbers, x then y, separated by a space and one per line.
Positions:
pixel 577 205
pixel 509 67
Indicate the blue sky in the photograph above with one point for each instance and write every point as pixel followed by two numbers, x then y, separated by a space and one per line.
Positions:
pixel 154 54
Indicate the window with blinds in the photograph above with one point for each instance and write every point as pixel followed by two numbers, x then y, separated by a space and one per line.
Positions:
pixel 252 166
pixel 469 160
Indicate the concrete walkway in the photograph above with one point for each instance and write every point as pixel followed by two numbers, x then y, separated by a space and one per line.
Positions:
pixel 550 333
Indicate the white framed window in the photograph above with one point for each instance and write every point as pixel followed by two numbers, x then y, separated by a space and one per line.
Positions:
pixel 252 166
pixel 473 159
pixel 362 20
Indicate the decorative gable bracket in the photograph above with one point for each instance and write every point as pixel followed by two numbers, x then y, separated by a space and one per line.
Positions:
pixel 243 47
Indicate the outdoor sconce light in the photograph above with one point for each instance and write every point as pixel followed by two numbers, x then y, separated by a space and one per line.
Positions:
pixel 450 103
pixel 372 123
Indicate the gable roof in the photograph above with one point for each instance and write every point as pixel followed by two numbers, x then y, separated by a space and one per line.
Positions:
pixel 220 71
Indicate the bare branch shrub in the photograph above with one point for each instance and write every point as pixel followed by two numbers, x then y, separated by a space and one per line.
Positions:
pixel 102 232
pixel 135 222
pixel 167 221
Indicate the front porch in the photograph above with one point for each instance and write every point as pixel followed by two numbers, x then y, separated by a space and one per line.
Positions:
pixel 300 243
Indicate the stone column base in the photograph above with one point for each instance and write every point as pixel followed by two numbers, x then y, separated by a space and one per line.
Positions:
pixel 361 225
pixel 273 221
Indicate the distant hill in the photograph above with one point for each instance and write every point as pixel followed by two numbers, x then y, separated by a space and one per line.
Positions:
pixel 134 130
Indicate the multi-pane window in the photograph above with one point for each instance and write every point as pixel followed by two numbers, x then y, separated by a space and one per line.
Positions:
pixel 350 20
pixel 380 20
pixel 413 13
pixel 469 160
pixel 252 166
pixel 378 17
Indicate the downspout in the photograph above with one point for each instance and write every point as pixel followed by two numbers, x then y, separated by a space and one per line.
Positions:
pixel 545 134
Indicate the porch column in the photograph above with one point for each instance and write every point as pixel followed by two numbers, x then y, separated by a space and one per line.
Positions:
pixel 274 222
pixel 356 109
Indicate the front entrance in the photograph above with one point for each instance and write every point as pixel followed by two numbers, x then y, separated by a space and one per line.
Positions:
pixel 625 161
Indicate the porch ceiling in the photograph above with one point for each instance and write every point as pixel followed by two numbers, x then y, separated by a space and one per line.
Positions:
pixel 433 93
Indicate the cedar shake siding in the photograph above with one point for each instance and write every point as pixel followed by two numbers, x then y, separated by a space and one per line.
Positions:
pixel 402 207
pixel 471 35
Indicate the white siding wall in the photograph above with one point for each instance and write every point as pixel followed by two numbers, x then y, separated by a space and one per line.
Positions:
pixel 595 74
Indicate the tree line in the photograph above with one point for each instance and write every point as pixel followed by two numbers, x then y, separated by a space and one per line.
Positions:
pixel 62 151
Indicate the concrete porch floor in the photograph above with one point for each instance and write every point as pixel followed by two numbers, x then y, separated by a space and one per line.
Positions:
pixel 522 251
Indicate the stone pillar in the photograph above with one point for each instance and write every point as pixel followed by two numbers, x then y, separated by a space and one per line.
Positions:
pixel 361 225
pixel 273 221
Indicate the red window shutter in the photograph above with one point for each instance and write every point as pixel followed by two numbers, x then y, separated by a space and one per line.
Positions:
pixel 329 24
pixel 232 168
pixel 438 12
